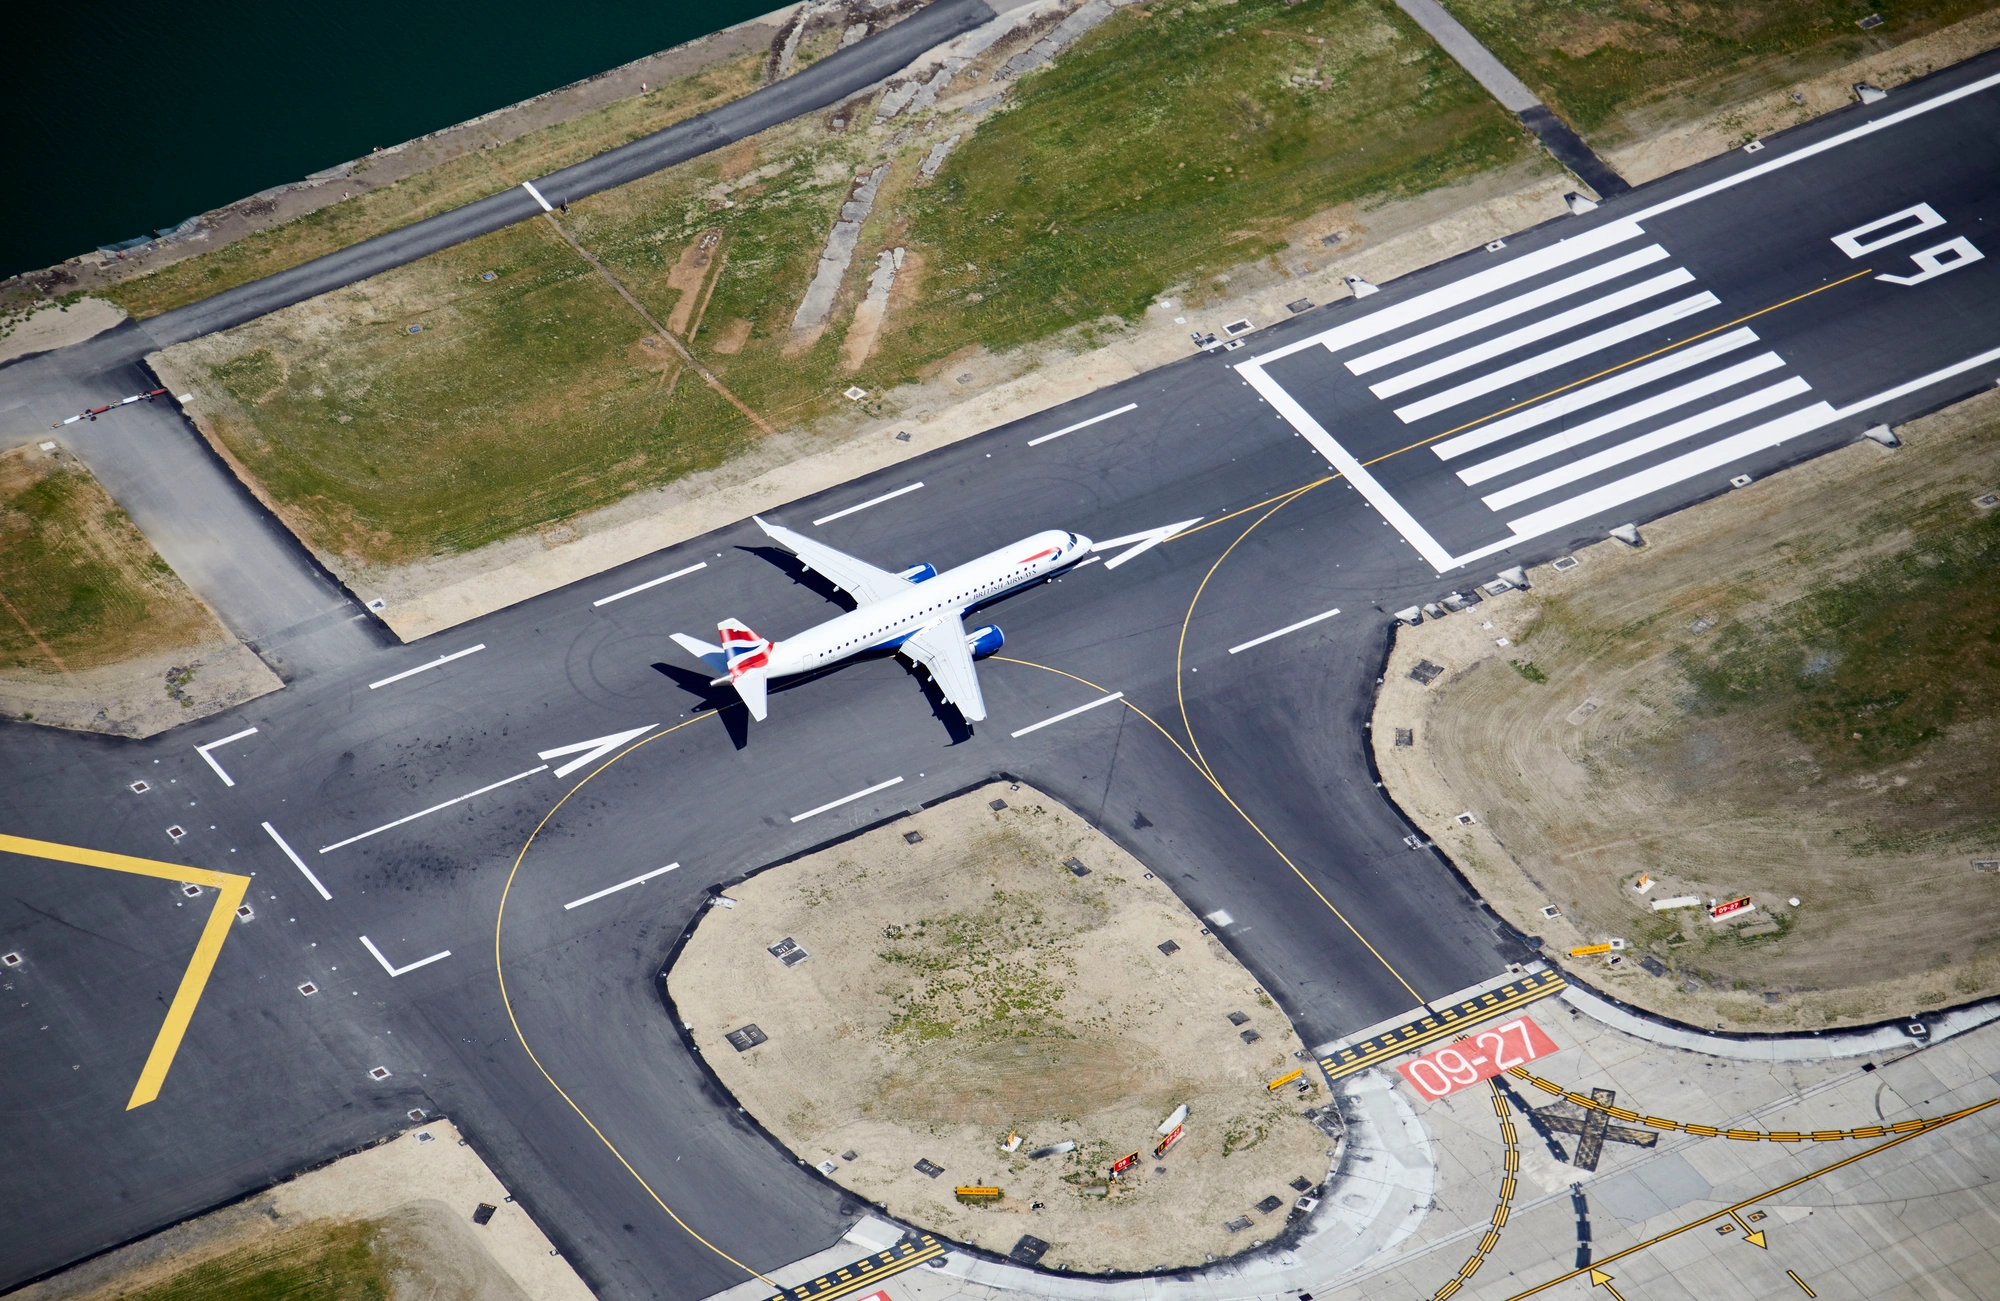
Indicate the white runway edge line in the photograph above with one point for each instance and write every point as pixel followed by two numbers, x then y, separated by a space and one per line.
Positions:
pixel 872 501
pixel 846 799
pixel 1591 395
pixel 651 582
pixel 422 668
pixel 297 862
pixel 529 186
pixel 434 808
pixel 203 751
pixel 614 889
pixel 1290 627
pixel 1069 713
pixel 1083 424
pixel 395 971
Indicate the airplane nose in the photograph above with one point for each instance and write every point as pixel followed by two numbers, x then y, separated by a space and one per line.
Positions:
pixel 1083 544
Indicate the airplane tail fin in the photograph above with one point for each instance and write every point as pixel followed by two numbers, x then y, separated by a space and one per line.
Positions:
pixel 749 659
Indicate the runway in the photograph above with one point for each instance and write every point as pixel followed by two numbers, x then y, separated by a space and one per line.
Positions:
pixel 408 781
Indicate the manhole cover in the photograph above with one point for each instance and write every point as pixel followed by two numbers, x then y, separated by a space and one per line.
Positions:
pixel 1301 305
pixel 309 989
pixel 996 805
pixel 1170 948
pixel 1406 736
pixel 1250 1036
pixel 1029 1250
pixel 1239 1018
pixel 928 1168
pixel 747 1038
pixel 1076 868
pixel 1270 1204
pixel 10 959
pixel 1563 564
pixel 378 1073
pixel 140 788
pixel 1302 1184
pixel 913 837
pixel 1238 1224
pixel 1427 672
pixel 176 832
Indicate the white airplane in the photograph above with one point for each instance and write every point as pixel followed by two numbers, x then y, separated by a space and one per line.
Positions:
pixel 918 612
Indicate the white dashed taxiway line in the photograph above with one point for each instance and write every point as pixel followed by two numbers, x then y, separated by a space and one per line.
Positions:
pixel 846 799
pixel 1083 424
pixel 1069 713
pixel 434 808
pixel 872 501
pixel 1290 627
pixel 614 889
pixel 652 582
pixel 421 668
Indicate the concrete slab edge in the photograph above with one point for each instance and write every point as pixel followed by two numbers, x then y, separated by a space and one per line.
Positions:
pixel 1860 1041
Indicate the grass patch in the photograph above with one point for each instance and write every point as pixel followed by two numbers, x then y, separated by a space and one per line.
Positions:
pixel 1161 150
pixel 1878 669
pixel 82 588
pixel 1176 145
pixel 1594 60
pixel 341 1262
pixel 448 185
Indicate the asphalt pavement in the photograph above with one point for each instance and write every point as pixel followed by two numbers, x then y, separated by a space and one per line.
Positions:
pixel 1237 771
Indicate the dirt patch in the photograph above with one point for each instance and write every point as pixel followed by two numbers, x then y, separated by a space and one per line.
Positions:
pixel 395 1221
pixel 688 276
pixel 730 340
pixel 55 325
pixel 971 987
pixel 1790 693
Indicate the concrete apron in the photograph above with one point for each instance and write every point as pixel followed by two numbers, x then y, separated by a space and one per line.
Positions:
pixel 1374 1198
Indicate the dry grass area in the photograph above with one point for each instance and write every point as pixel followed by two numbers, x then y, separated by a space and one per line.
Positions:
pixel 391 1223
pixel 969 987
pixel 96 632
pixel 1791 693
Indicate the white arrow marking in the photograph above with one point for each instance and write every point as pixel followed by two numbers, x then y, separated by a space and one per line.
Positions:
pixel 1147 541
pixel 592 750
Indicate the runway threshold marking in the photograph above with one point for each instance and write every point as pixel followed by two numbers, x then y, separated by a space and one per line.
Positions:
pixel 425 668
pixel 203 751
pixel 872 501
pixel 1935 1123
pixel 395 970
pixel 1426 1026
pixel 651 582
pixel 1082 424
pixel 328 849
pixel 1069 713
pixel 229 890
pixel 868 1271
pixel 614 889
pixel 846 799
pixel 297 862
pixel 1290 627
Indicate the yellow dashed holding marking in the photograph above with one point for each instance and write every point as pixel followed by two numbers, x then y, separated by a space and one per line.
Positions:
pixel 1431 1026
pixel 906 1254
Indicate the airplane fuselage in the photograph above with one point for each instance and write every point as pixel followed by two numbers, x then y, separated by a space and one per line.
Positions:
pixel 886 624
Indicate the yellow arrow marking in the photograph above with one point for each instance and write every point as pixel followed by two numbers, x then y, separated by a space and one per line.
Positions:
pixel 229 890
pixel 1755 1239
pixel 1598 1278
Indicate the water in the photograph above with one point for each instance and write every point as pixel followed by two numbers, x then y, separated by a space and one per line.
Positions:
pixel 119 119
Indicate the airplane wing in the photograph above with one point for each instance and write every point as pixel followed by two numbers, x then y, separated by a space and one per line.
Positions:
pixel 859 579
pixel 941 649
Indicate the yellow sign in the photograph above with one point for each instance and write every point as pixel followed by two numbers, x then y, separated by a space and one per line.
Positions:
pixel 1589 950
pixel 1283 1080
pixel 977 1191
